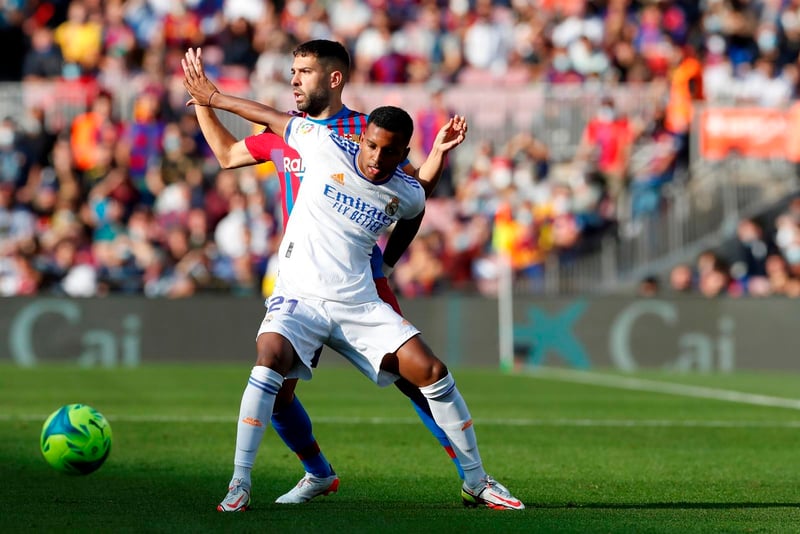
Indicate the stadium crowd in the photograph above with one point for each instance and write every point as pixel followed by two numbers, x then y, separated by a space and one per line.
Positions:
pixel 106 205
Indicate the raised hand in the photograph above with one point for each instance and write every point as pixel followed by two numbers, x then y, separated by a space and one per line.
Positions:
pixel 200 88
pixel 451 134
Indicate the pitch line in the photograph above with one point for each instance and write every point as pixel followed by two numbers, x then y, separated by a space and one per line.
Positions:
pixel 669 388
pixel 360 421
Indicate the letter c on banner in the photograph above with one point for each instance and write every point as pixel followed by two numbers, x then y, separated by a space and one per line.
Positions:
pixel 619 340
pixel 20 340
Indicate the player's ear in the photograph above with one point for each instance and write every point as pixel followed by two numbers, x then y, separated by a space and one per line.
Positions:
pixel 337 79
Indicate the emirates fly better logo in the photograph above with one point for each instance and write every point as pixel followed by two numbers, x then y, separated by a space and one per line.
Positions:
pixel 360 211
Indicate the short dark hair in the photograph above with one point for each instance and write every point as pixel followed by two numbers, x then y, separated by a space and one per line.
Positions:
pixel 329 53
pixel 393 119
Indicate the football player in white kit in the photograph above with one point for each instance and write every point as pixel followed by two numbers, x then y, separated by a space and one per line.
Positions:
pixel 324 293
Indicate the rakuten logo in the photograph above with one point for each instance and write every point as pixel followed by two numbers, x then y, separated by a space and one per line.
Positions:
pixel 294 165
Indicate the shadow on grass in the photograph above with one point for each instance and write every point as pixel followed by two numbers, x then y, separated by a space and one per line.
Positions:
pixel 667 505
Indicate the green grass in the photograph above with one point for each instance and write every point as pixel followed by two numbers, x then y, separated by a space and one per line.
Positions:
pixel 583 458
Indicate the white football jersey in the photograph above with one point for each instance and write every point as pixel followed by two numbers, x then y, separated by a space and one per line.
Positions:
pixel 337 217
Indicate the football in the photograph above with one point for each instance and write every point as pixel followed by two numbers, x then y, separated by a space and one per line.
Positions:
pixel 76 439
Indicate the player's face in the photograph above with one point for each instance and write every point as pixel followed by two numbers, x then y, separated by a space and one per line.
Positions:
pixel 381 152
pixel 311 85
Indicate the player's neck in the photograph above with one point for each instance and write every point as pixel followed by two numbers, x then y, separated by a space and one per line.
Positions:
pixel 333 108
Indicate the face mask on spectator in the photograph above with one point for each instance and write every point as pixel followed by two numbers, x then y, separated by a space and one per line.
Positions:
pixel 172 143
pixel 792 254
pixel 561 205
pixel 713 24
pixel 6 136
pixel 606 113
pixel 784 236
pixel 767 41
pixel 561 62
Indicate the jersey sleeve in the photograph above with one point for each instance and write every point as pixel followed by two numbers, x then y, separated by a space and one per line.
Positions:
pixel 261 145
pixel 302 134
pixel 417 197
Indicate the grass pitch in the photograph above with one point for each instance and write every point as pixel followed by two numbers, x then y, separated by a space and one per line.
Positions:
pixel 583 457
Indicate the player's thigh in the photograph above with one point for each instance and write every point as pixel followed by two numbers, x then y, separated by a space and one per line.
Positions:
pixel 366 333
pixel 301 324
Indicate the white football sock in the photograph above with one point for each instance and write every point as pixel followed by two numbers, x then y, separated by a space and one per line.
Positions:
pixel 258 400
pixel 452 415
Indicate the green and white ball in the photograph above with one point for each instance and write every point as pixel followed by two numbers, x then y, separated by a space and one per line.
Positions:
pixel 76 439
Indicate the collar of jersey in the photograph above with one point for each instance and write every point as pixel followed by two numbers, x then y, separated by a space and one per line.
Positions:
pixel 344 112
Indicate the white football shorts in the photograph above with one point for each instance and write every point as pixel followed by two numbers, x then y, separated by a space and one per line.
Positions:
pixel 362 333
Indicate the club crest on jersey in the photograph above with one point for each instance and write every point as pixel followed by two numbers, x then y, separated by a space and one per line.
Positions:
pixel 338 177
pixel 392 207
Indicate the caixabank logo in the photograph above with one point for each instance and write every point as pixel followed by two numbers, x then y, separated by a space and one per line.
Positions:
pixel 544 333
pixel 628 335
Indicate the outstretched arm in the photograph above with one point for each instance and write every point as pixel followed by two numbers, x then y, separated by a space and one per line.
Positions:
pixel 450 136
pixel 204 93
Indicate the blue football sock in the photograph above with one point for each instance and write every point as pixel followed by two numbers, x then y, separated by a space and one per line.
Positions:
pixel 424 412
pixel 294 427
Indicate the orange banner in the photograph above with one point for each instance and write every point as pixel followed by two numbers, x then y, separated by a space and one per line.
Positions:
pixel 750 132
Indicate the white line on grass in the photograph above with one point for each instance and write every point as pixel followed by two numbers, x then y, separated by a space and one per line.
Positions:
pixel 654 386
pixel 613 423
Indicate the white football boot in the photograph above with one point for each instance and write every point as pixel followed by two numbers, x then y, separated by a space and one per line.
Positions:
pixel 310 487
pixel 237 499
pixel 491 494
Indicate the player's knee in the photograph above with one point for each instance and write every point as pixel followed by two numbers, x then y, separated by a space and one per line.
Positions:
pixel 437 371
pixel 429 373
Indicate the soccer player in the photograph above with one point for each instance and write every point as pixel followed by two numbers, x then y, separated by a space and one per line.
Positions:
pixel 320 71
pixel 324 293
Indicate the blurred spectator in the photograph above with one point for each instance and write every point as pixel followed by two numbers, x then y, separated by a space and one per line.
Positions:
pixel 18 277
pixel 17 224
pixel 142 143
pixel 80 40
pixel 486 43
pixel 37 140
pixel 12 154
pixel 44 59
pixel 751 251
pixel 421 270
pixel 218 198
pixel 239 54
pixel 777 271
pixel 652 165
pixel 92 133
pixel 713 276
pixel 427 122
pixel 606 146
pixel 649 286
pixel 685 88
pixel 119 39
pixel 681 279
pixel 348 18
pixel 371 44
